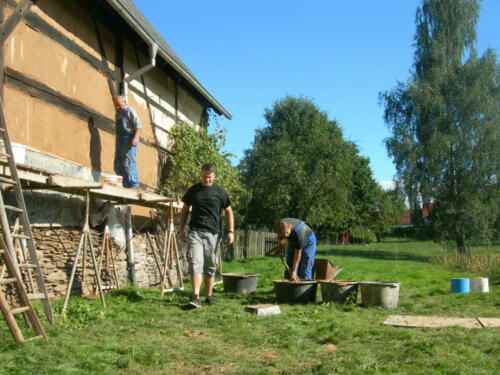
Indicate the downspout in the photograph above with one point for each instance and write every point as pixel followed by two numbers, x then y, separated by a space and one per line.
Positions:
pixel 153 51
pixel 130 245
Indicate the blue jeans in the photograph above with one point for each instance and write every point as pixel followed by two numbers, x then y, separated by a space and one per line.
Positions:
pixel 306 263
pixel 125 164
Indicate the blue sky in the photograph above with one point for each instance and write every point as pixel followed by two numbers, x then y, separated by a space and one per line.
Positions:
pixel 339 53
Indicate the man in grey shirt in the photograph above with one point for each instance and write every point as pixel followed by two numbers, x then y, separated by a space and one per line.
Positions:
pixel 128 130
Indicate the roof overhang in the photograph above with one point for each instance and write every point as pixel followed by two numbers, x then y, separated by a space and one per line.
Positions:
pixel 136 20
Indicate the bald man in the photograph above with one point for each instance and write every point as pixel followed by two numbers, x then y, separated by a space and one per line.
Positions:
pixel 128 130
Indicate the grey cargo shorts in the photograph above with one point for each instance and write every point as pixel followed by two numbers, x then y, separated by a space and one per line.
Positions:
pixel 201 253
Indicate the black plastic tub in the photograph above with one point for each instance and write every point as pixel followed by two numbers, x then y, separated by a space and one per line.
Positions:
pixel 339 290
pixel 302 291
pixel 241 283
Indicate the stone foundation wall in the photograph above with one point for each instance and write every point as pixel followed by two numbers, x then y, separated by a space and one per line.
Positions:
pixel 57 250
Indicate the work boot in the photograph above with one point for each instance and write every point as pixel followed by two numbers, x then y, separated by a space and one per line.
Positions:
pixel 210 300
pixel 194 301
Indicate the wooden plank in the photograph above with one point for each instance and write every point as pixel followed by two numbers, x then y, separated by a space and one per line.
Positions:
pixel 26 175
pixel 430 322
pixel 154 198
pixel 37 296
pixel 72 182
pixel 117 192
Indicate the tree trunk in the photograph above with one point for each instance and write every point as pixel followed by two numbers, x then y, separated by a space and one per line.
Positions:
pixel 460 245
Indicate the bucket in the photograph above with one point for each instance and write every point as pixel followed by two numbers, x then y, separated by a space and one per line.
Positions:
pixel 460 285
pixel 112 180
pixel 241 283
pixel 479 284
pixel 19 153
pixel 339 290
pixel 302 291
pixel 380 294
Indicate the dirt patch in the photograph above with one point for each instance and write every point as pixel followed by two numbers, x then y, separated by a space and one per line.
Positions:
pixel 269 354
pixel 197 333
pixel 189 369
pixel 330 347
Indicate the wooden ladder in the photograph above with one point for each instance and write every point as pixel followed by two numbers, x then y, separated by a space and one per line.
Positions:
pixel 11 179
pixel 25 304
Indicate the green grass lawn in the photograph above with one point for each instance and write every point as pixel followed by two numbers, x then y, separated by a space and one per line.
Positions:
pixel 142 333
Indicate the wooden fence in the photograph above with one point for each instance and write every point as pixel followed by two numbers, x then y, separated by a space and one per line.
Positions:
pixel 249 243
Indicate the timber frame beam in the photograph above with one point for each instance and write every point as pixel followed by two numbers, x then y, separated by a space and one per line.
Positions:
pixel 18 14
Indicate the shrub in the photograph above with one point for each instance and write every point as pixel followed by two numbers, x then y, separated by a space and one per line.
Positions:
pixel 486 265
pixel 403 231
pixel 362 235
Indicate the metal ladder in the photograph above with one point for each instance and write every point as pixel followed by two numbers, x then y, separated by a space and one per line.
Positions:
pixel 24 233
pixel 25 307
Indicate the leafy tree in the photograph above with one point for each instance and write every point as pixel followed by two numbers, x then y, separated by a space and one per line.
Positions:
pixel 191 148
pixel 300 166
pixel 445 124
pixel 364 191
pixel 389 208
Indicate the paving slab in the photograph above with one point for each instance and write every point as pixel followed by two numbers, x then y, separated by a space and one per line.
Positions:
pixel 264 309
pixel 432 321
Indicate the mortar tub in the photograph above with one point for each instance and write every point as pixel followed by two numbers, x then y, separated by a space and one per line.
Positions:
pixel 301 291
pixel 241 283
pixel 339 290
pixel 384 294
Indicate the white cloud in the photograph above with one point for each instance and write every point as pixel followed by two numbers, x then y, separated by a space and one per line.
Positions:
pixel 387 185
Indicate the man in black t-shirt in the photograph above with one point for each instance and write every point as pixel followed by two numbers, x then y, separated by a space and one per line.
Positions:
pixel 207 201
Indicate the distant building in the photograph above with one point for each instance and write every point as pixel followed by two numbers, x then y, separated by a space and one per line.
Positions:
pixel 406 217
